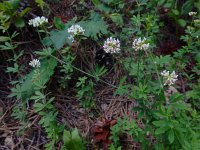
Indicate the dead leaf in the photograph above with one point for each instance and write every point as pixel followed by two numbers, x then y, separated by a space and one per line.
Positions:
pixel 102 132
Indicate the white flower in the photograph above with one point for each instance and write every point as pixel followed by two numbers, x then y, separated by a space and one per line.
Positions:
pixel 140 44
pixel 71 37
pixel 35 63
pixel 197 21
pixel 192 13
pixel 168 78
pixel 190 28
pixel 38 21
pixel 111 45
pixel 76 30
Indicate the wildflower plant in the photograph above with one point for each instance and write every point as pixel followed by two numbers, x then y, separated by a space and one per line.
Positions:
pixel 111 45
pixel 35 63
pixel 137 76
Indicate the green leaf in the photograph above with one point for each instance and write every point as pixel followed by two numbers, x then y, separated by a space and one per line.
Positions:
pixel 187 7
pixel 72 141
pixel 66 136
pixel 19 23
pixel 38 107
pixel 176 97
pixel 77 139
pixel 14 69
pixel 23 12
pixel 182 22
pixel 40 3
pixel 58 23
pixel 4 38
pixel 161 130
pixel 197 4
pixel 168 4
pixel 117 18
pixel 98 72
pixel 159 123
pixel 175 12
pixel 122 88
pixel 163 60
pixel 45 52
pixel 160 2
pixel 96 2
pixel 181 106
pixel 159 114
pixel 7 46
pixel 46 70
pixel 16 92
pixel 11 4
pixel 95 27
pixel 159 146
pixel 171 136
pixel 59 38
pixel 38 96
pixel 101 6
pixel 14 34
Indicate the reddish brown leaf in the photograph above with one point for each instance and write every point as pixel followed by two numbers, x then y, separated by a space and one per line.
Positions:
pixel 101 132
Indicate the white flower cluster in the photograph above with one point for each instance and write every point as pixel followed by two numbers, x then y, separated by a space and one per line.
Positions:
pixel 192 13
pixel 38 21
pixel 140 44
pixel 35 63
pixel 75 30
pixel 111 45
pixel 168 78
pixel 197 21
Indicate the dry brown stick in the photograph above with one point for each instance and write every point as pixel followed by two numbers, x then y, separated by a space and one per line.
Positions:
pixel 38 139
pixel 31 142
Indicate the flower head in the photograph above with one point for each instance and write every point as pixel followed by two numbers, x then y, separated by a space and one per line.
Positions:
pixel 140 44
pixel 76 30
pixel 197 21
pixel 111 45
pixel 168 78
pixel 35 63
pixel 190 28
pixel 192 13
pixel 38 21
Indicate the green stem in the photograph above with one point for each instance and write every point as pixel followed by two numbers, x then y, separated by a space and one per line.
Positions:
pixel 138 67
pixel 40 38
pixel 157 72
pixel 156 68
pixel 10 40
pixel 90 75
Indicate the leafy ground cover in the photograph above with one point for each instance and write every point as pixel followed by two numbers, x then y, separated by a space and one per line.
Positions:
pixel 100 74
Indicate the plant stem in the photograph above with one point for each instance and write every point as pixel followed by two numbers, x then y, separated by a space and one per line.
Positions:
pixel 40 38
pixel 90 75
pixel 138 67
pixel 158 74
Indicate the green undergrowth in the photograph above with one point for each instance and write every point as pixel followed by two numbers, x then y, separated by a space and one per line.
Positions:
pixel 113 44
